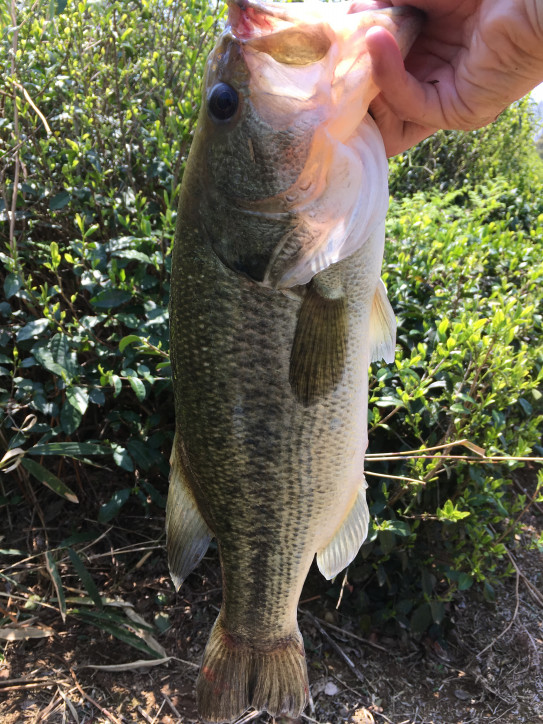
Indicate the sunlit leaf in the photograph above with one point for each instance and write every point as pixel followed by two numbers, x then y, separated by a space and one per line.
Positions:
pixel 55 577
pixel 86 578
pixel 110 509
pixel 49 479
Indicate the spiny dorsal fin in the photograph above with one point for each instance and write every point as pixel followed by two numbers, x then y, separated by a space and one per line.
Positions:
pixel 349 537
pixel 187 533
pixel 317 358
pixel 382 326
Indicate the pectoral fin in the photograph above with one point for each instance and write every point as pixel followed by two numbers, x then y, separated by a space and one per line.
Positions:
pixel 187 533
pixel 346 542
pixel 317 358
pixel 382 326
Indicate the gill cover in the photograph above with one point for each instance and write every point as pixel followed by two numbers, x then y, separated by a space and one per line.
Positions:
pixel 296 166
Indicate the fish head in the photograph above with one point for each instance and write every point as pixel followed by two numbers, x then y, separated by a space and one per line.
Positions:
pixel 286 89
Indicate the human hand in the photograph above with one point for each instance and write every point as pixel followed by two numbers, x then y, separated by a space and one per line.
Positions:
pixel 471 60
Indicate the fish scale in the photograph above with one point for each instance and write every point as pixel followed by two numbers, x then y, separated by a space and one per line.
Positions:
pixel 270 373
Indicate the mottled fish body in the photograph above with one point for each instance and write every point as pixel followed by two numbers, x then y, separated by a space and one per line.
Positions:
pixel 277 310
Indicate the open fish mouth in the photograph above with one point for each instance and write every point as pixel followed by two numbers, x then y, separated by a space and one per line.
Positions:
pixel 300 27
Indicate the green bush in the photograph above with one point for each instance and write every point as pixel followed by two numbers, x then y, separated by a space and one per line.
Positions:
pixel 451 159
pixel 98 104
pixel 464 273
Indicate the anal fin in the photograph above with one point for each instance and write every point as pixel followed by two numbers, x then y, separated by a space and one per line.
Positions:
pixel 187 533
pixel 348 538
pixel 382 326
pixel 319 348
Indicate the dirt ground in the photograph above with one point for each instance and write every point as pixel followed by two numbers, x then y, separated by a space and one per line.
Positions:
pixel 489 668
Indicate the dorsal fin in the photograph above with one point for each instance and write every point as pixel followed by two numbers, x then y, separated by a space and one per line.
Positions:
pixel 382 326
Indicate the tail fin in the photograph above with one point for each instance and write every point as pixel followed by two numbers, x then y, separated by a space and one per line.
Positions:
pixel 235 676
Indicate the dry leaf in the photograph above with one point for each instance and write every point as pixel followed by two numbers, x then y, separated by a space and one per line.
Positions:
pixel 130 666
pixel 331 689
pixel 20 633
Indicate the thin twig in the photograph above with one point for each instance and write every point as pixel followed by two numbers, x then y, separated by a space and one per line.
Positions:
pixel 144 714
pixel 511 622
pixel 532 590
pixel 23 687
pixel 171 705
pixel 337 648
pixel 522 513
pixel 34 106
pixel 491 459
pixel 519 487
pixel 12 243
pixel 248 717
pixel 36 681
pixel 100 708
pixel 465 442
pixel 158 712
pixel 394 477
pixel 349 634
pixel 338 604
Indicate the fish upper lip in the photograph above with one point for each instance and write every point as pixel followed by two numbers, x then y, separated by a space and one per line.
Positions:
pixel 265 9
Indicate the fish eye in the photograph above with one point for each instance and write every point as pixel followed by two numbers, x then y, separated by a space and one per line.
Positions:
pixel 222 102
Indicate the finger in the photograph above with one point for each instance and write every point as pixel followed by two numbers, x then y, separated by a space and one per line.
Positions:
pixel 407 97
pixel 397 135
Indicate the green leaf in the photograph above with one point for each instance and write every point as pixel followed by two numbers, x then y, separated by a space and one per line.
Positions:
pixel 69 449
pixel 387 541
pixel 97 397
pixel 32 329
pixel 526 406
pixel 57 583
pixel 75 406
pixel 465 581
pixel 489 592
pixel 70 418
pixel 451 513
pixel 105 623
pixel 110 298
pixel 122 458
pixel 12 284
pixel 59 201
pixel 57 356
pixel 117 385
pixel 132 254
pixel 110 509
pixel 399 527
pixel 428 582
pixel 129 339
pixel 438 611
pixel 85 577
pixel 49 479
pixel 144 455
pixel 421 618
pixel 442 328
pixel 55 255
pixel 78 398
pixel 139 388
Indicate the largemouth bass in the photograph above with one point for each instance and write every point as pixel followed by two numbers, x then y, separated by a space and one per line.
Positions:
pixel 277 310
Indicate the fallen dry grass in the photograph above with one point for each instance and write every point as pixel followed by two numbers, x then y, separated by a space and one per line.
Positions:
pixel 488 670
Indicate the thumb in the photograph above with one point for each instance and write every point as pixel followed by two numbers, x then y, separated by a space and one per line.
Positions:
pixel 405 96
